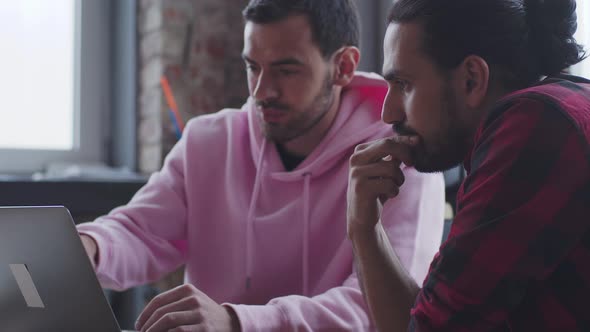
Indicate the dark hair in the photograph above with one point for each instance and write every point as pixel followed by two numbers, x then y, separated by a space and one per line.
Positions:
pixel 334 23
pixel 521 40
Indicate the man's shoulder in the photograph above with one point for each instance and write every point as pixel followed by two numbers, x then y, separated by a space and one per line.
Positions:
pixel 554 94
pixel 558 103
pixel 221 117
pixel 220 129
pixel 544 122
pixel 569 99
pixel 216 122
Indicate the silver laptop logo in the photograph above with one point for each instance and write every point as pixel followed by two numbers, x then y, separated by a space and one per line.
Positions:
pixel 26 285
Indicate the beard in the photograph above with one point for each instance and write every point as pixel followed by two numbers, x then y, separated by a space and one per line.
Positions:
pixel 446 148
pixel 303 120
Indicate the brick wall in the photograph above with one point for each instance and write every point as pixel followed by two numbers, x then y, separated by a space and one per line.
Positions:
pixel 197 45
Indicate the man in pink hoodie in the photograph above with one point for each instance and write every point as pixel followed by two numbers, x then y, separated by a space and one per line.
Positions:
pixel 253 201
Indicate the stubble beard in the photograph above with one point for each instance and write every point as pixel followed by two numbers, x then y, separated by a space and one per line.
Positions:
pixel 305 121
pixel 449 147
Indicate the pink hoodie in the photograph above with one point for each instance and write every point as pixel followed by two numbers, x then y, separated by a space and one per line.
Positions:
pixel 250 233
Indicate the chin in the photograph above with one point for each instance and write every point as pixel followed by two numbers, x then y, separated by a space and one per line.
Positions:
pixel 449 152
pixel 434 168
pixel 274 134
pixel 434 163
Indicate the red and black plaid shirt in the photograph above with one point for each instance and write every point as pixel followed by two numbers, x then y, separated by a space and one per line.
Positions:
pixel 518 255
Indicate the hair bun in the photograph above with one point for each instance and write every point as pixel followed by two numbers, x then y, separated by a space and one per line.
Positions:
pixel 552 24
pixel 554 16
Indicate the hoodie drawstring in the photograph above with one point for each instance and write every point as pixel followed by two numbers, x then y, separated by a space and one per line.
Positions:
pixel 305 237
pixel 250 220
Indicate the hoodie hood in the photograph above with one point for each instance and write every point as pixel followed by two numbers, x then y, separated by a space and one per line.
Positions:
pixel 358 119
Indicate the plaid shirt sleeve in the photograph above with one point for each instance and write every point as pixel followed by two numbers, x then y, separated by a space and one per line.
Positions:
pixel 518 217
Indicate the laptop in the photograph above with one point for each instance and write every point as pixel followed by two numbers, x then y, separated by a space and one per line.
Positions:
pixel 46 280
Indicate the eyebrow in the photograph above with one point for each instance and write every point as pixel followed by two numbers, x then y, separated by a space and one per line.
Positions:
pixel 281 62
pixel 393 74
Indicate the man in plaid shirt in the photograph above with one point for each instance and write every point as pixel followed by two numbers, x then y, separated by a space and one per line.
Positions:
pixel 479 82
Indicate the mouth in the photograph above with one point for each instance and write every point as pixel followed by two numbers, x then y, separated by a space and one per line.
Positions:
pixel 272 115
pixel 401 129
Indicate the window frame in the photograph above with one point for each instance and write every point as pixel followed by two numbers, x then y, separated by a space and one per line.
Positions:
pixel 583 37
pixel 91 97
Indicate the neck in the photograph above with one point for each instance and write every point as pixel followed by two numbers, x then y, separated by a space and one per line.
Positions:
pixel 303 145
pixel 486 106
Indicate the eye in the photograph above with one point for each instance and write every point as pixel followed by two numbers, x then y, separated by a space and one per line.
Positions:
pixel 252 68
pixel 400 84
pixel 287 72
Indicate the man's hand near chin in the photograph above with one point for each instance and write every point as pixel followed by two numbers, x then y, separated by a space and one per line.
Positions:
pixel 375 176
pixel 185 309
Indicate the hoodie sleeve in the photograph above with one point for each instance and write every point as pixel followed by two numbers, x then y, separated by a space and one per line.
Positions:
pixel 339 309
pixel 129 251
pixel 414 223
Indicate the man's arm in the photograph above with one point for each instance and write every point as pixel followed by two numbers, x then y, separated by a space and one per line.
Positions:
pixel 389 290
pixel 142 241
pixel 340 308
pixel 375 177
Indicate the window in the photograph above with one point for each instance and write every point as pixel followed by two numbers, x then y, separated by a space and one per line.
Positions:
pixel 38 60
pixel 583 37
pixel 54 82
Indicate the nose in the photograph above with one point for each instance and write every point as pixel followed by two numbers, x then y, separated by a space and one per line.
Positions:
pixel 265 87
pixel 393 109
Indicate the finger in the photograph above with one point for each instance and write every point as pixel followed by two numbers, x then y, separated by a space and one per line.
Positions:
pixel 412 140
pixel 399 176
pixel 391 169
pixel 382 169
pixel 385 197
pixel 186 304
pixel 381 149
pixel 396 151
pixel 361 147
pixel 91 248
pixel 175 320
pixel 368 153
pixel 374 186
pixel 161 300
pixel 187 328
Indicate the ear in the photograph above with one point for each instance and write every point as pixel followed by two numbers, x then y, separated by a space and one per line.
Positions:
pixel 346 61
pixel 474 80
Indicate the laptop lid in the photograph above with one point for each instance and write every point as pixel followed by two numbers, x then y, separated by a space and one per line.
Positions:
pixel 46 280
